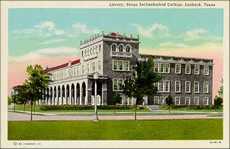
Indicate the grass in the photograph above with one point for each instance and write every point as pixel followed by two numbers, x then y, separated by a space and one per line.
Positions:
pixel 191 108
pixel 206 129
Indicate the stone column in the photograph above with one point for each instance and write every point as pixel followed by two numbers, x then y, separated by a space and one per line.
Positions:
pixel 104 93
pixel 61 95
pixel 86 93
pixel 95 92
pixel 70 95
pixel 80 94
pixel 65 100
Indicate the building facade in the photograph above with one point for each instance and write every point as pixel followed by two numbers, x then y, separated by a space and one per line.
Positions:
pixel 106 60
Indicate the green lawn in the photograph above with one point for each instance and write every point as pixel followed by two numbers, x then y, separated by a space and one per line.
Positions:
pixel 208 129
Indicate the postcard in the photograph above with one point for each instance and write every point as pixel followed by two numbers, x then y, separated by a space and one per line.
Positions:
pixel 114 74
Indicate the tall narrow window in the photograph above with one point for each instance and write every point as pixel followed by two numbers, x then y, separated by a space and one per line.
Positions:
pixel 167 86
pixel 206 101
pixel 128 48
pixel 115 87
pixel 160 87
pixel 196 69
pixel 206 87
pixel 187 86
pixel 99 65
pixel 187 68
pixel 177 100
pixel 196 100
pixel 120 66
pixel 156 99
pixel 206 70
pixel 177 68
pixel 187 100
pixel 155 67
pixel 120 48
pixel 114 47
pixel 177 86
pixel 196 87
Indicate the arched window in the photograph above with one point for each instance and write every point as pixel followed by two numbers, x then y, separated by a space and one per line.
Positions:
pixel 128 48
pixel 114 47
pixel 120 48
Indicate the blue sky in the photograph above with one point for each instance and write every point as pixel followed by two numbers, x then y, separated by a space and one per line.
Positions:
pixel 35 29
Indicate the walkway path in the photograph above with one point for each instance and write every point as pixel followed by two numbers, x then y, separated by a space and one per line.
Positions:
pixel 12 116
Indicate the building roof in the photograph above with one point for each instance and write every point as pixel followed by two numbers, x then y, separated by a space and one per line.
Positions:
pixel 77 61
pixel 176 57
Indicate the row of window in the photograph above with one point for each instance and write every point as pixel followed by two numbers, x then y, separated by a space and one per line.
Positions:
pixel 165 68
pixel 187 101
pixel 76 71
pixel 164 86
pixel 120 65
pixel 93 50
pixel 121 48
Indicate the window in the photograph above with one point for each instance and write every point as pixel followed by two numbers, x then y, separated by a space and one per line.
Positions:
pixel 187 86
pixel 164 68
pixel 156 100
pixel 205 100
pixel 128 48
pixel 114 65
pixel 177 86
pixel 196 69
pixel 167 86
pixel 155 67
pixel 187 68
pixel 120 48
pixel 164 86
pixel 206 87
pixel 115 87
pixel 126 63
pixel 113 47
pixel 121 65
pixel 177 68
pixel 117 84
pixel 206 70
pixel 177 100
pixel 162 99
pixel 187 100
pixel 160 87
pixel 196 100
pixel 88 69
pixel 196 87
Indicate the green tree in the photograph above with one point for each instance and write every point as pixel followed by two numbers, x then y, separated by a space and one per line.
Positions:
pixel 36 83
pixel 218 102
pixel 142 83
pixel 169 102
pixel 10 100
pixel 116 98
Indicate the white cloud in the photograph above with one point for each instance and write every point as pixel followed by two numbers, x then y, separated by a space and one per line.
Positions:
pixel 195 33
pixel 151 30
pixel 46 52
pixel 173 45
pixel 52 41
pixel 49 25
pixel 83 28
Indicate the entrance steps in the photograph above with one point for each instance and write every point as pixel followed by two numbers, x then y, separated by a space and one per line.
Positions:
pixel 153 107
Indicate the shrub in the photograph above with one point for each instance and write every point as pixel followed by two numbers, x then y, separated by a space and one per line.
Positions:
pixel 87 107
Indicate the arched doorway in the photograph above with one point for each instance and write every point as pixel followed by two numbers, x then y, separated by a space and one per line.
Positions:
pixel 67 94
pixel 51 95
pixel 83 93
pixel 72 94
pixel 59 94
pixel 78 93
pixel 63 94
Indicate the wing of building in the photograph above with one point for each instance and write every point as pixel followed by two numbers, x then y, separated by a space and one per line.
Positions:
pixel 106 60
